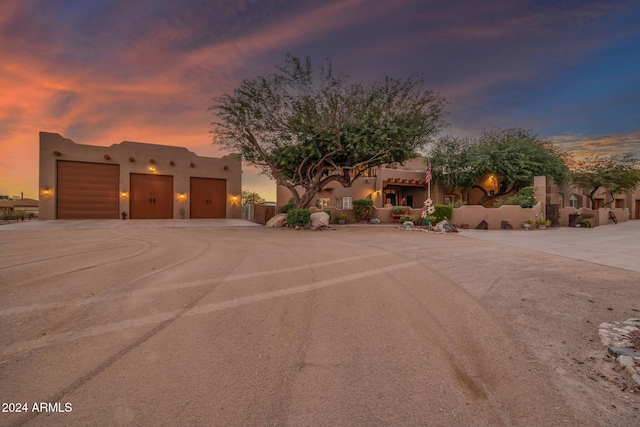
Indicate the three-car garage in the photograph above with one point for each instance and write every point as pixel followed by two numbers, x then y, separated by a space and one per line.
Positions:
pixel 135 181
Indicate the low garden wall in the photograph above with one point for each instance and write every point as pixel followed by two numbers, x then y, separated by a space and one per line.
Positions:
pixel 514 215
pixel 600 216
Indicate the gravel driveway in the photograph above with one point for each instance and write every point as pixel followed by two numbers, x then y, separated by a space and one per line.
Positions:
pixel 214 325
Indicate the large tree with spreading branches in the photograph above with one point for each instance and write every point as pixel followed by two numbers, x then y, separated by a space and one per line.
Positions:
pixel 305 128
pixel 514 156
pixel 617 174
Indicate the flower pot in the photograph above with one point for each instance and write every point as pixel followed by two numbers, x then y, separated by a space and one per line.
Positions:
pixel 427 221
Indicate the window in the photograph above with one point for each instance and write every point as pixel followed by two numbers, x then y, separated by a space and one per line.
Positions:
pixel 620 203
pixel 343 202
pixel 573 201
pixel 322 203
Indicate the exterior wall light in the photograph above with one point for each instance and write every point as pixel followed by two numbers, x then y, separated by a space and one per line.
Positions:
pixel 124 194
pixel 182 197
pixel 152 169
pixel 47 192
pixel 234 199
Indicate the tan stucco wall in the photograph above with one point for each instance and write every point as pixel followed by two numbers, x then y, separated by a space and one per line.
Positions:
pixel 228 167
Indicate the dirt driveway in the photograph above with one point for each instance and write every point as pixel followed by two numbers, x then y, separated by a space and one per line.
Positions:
pixel 254 326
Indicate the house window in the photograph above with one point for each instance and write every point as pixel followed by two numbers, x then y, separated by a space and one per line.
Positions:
pixel 620 203
pixel 343 202
pixel 573 201
pixel 322 203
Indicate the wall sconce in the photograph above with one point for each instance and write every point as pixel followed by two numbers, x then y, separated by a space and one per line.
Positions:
pixel 234 199
pixel 182 197
pixel 152 169
pixel 124 194
pixel 46 192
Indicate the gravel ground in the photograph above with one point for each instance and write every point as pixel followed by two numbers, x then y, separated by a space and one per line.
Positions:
pixel 353 326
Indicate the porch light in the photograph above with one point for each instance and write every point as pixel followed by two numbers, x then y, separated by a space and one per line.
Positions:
pixel 46 192
pixel 123 194
pixel 182 197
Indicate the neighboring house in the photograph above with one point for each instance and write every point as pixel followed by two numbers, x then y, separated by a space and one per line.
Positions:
pixel 143 181
pixel 28 207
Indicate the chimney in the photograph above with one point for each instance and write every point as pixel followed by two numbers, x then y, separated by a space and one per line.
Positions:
pixel 21 195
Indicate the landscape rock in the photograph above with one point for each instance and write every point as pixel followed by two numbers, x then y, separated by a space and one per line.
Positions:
pixel 625 361
pixel 319 220
pixel 636 378
pixel 407 225
pixel 620 351
pixel 279 220
pixel 374 221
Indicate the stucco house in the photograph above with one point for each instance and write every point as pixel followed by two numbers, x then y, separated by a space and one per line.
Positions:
pixel 136 181
pixel 405 185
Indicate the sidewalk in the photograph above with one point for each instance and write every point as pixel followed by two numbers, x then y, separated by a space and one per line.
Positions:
pixel 614 245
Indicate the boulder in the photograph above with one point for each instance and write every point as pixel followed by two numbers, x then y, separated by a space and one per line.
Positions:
pixel 319 220
pixel 374 221
pixel 407 225
pixel 277 221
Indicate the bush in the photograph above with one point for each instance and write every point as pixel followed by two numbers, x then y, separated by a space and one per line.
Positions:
pixel 341 217
pixel 398 209
pixel 407 218
pixel 526 197
pixel 586 224
pixel 286 208
pixel 299 217
pixel 362 209
pixel 442 211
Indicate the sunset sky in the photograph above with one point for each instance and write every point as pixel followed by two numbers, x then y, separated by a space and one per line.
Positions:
pixel 103 71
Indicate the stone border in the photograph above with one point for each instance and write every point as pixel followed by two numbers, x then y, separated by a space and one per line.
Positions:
pixel 618 337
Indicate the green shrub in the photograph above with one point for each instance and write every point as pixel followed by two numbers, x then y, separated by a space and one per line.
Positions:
pixel 362 209
pixel 407 218
pixel 442 211
pixel 286 208
pixel 585 223
pixel 398 209
pixel 526 197
pixel 340 217
pixel 299 217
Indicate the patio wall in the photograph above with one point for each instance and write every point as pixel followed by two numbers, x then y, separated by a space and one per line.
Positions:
pixel 601 216
pixel 515 215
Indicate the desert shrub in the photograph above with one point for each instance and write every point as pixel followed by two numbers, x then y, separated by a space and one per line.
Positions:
pixel 398 209
pixel 442 211
pixel 286 208
pixel 341 217
pixel 299 217
pixel 407 218
pixel 362 209
pixel 585 223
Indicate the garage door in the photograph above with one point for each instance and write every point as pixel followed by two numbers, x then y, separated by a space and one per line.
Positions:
pixel 208 198
pixel 87 190
pixel 151 196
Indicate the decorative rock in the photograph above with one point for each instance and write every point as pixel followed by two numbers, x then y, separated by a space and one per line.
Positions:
pixel 625 361
pixel 630 370
pixel 277 221
pixel 636 378
pixel 374 221
pixel 407 225
pixel 319 220
pixel 618 351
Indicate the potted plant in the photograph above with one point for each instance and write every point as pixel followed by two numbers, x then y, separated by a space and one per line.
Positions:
pixel 543 223
pixel 397 212
pixel 341 219
pixel 529 224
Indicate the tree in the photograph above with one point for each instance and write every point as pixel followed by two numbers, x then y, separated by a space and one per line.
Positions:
pixel 515 156
pixel 251 197
pixel 617 174
pixel 306 129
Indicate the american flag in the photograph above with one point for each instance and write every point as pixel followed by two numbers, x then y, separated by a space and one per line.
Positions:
pixel 427 177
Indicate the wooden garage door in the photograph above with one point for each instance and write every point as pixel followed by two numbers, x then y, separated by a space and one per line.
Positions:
pixel 151 196
pixel 208 198
pixel 87 190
